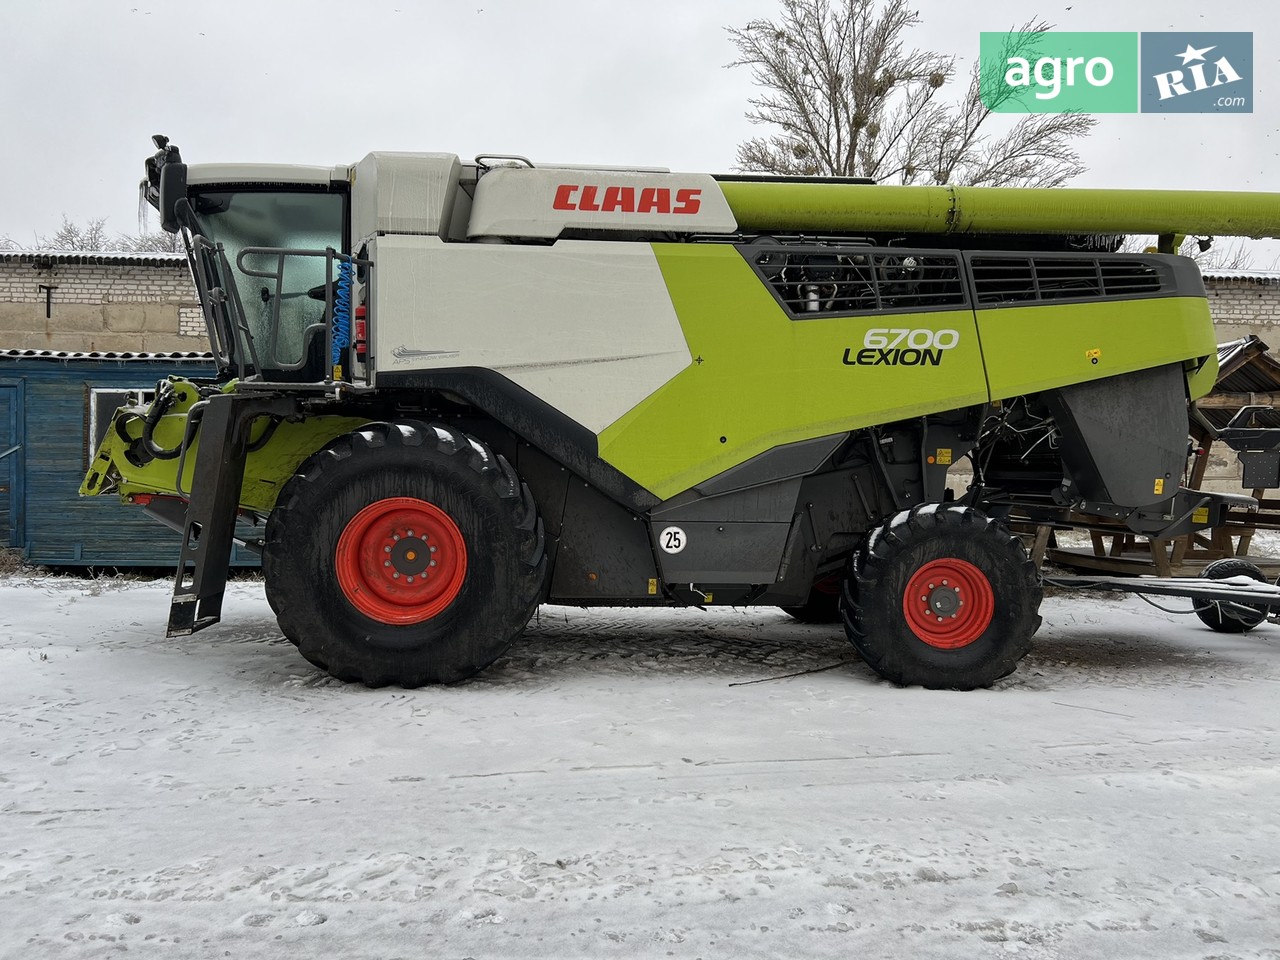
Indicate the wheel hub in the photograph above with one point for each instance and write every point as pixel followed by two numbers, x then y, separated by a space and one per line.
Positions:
pixel 945 601
pixel 401 560
pixel 407 556
pixel 948 603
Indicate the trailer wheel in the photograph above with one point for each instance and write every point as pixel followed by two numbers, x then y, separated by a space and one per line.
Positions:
pixel 1230 617
pixel 404 553
pixel 943 597
pixel 822 605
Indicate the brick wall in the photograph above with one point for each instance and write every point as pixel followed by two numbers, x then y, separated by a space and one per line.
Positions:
pixel 191 322
pixel 104 306
pixel 1245 306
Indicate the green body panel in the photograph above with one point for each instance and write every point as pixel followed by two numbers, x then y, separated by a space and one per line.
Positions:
pixel 1203 377
pixel 760 379
pixel 266 470
pixel 839 207
pixel 1028 349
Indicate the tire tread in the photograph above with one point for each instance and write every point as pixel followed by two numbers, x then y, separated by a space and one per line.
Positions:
pixel 865 595
pixel 291 512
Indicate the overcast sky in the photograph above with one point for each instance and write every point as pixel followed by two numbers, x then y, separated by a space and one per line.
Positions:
pixel 87 83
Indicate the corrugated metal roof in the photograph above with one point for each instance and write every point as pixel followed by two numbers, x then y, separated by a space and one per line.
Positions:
pixel 49 258
pixel 1233 350
pixel 1248 276
pixel 188 357
pixel 1245 366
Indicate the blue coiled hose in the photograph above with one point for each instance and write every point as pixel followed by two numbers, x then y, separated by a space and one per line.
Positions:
pixel 341 312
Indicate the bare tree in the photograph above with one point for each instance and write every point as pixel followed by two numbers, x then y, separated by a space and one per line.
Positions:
pixel 150 243
pixel 850 99
pixel 1218 254
pixel 73 236
pixel 1235 255
pixel 92 236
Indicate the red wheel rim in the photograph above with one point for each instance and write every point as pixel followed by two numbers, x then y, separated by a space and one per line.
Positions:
pixel 949 603
pixel 401 560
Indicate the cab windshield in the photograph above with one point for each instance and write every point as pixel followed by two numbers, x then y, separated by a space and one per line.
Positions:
pixel 285 314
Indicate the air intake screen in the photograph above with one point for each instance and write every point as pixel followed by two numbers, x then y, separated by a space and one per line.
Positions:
pixel 1013 279
pixel 815 281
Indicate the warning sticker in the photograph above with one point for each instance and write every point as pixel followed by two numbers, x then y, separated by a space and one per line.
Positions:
pixel 943 456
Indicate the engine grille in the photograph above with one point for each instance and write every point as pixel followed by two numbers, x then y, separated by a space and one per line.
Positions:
pixel 814 281
pixel 1012 279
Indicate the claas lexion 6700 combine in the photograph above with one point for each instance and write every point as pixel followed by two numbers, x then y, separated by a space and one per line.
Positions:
pixel 449 392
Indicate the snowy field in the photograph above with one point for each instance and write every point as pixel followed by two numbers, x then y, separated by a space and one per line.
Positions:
pixel 620 786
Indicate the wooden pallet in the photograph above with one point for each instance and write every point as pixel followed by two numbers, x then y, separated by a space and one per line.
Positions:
pixel 1116 550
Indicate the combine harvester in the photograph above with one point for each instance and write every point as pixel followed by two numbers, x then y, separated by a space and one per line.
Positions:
pixel 450 392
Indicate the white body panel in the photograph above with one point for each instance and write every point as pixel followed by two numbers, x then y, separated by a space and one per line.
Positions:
pixel 403 193
pixel 587 327
pixel 543 202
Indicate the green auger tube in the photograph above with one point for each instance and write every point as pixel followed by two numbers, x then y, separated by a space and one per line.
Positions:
pixel 813 206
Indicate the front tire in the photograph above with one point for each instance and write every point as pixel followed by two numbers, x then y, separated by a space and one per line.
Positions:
pixel 942 597
pixel 404 553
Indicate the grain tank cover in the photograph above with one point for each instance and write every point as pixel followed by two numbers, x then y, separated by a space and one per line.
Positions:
pixel 544 202
pixel 404 193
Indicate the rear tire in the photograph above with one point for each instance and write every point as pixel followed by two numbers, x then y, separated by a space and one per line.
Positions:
pixel 404 553
pixel 1230 617
pixel 943 597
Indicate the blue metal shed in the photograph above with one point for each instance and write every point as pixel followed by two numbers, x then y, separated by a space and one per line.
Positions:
pixel 54 407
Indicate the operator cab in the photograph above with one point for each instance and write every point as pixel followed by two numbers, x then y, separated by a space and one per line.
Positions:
pixel 283 296
pixel 267 245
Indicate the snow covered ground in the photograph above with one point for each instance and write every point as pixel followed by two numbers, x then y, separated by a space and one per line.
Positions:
pixel 619 787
